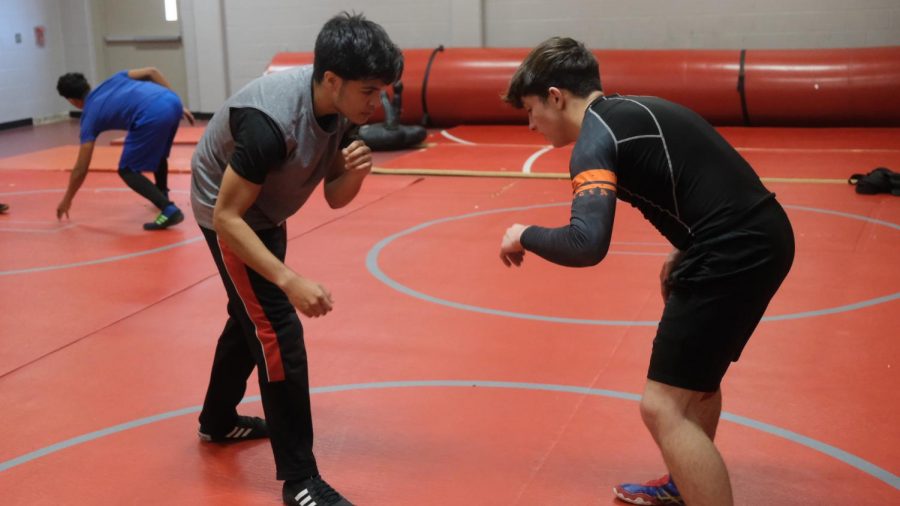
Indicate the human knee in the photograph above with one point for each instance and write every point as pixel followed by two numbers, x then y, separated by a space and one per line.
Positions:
pixel 662 407
pixel 655 412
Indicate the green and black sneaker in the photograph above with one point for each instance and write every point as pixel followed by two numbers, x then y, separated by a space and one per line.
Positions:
pixel 169 216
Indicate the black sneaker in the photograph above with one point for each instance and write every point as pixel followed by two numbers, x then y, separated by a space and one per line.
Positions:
pixel 312 492
pixel 164 221
pixel 245 429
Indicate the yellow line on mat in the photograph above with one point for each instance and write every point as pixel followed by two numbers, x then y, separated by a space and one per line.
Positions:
pixel 803 180
pixel 558 175
pixel 471 173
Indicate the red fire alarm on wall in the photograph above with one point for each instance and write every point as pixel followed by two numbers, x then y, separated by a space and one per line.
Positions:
pixel 39 35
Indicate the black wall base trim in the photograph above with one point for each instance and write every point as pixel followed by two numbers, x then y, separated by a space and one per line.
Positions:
pixel 17 123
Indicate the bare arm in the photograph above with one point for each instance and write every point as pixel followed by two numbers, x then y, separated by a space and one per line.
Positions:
pixel 235 197
pixel 346 174
pixel 76 178
pixel 154 75
pixel 149 74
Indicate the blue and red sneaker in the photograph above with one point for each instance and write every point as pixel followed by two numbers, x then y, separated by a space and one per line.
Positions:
pixel 652 493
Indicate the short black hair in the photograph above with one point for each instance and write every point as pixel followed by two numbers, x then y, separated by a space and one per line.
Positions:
pixel 73 85
pixel 356 49
pixel 559 62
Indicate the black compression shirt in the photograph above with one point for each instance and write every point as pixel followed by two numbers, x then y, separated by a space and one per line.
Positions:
pixel 661 158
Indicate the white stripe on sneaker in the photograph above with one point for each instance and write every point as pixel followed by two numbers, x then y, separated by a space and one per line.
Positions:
pixel 233 431
pixel 302 493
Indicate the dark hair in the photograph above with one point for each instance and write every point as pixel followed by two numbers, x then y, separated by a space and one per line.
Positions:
pixel 356 49
pixel 73 85
pixel 560 62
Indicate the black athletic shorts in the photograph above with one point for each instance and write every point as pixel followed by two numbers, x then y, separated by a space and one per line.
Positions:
pixel 719 292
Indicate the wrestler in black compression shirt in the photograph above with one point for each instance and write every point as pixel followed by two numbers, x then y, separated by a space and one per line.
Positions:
pixel 699 192
pixel 661 158
pixel 734 246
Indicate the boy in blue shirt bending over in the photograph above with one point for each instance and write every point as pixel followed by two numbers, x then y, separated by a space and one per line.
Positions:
pixel 142 102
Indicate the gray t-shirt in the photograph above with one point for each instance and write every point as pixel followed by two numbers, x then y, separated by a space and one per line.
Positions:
pixel 286 98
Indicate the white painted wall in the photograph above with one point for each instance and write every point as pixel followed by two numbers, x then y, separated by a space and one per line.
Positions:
pixel 707 24
pixel 28 73
pixel 205 53
pixel 229 42
pixel 80 48
pixel 257 29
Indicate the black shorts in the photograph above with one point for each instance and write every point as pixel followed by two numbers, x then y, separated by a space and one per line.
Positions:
pixel 719 292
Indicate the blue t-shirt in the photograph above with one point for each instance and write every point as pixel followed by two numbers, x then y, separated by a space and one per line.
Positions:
pixel 117 103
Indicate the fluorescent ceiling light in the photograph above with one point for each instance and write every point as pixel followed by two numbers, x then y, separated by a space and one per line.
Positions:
pixel 171 10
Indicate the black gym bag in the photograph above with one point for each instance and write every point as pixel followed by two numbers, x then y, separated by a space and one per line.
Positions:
pixel 880 180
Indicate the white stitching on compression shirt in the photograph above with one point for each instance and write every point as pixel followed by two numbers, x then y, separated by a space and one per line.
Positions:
pixel 662 139
pixel 639 137
pixel 666 149
pixel 608 129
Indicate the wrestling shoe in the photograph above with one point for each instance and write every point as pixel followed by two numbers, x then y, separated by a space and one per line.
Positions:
pixel 652 493
pixel 245 428
pixel 311 492
pixel 169 216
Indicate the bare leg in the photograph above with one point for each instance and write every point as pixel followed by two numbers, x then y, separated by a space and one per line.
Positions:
pixel 683 424
pixel 706 412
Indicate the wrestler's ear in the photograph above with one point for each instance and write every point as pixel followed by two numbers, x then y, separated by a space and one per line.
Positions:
pixel 331 81
pixel 555 98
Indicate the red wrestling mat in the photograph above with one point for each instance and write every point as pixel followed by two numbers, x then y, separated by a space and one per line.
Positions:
pixel 799 153
pixel 830 139
pixel 852 139
pixel 398 424
pixel 185 135
pixel 486 159
pixel 488 134
pixel 105 158
pixel 75 266
pixel 799 163
pixel 439 365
